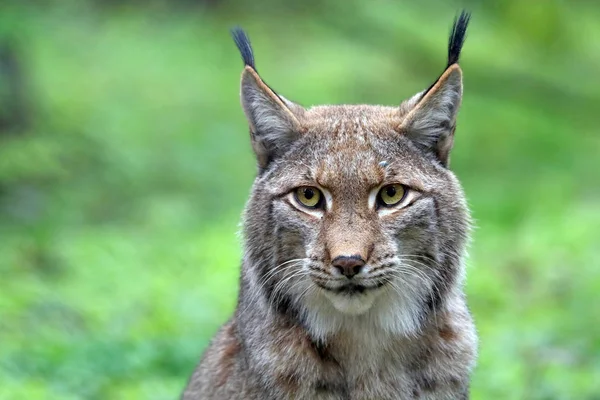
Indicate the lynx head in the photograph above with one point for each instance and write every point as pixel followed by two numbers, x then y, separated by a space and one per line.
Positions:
pixel 354 216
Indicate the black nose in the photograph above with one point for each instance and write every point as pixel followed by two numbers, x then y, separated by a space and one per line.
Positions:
pixel 348 265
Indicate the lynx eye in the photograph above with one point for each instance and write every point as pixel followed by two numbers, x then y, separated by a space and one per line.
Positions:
pixel 391 195
pixel 309 196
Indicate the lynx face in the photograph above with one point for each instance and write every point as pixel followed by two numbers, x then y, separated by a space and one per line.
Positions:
pixel 369 219
pixel 354 217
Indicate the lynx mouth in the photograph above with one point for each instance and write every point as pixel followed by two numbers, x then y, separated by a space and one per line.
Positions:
pixel 352 298
pixel 351 288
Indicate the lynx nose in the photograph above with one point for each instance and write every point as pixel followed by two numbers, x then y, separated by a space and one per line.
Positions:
pixel 348 265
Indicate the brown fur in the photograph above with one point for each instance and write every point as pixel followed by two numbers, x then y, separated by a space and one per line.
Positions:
pixel 400 328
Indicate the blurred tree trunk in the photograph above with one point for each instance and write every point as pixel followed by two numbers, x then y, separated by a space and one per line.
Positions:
pixel 14 108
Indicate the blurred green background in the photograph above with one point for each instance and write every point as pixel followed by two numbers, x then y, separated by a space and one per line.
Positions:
pixel 125 163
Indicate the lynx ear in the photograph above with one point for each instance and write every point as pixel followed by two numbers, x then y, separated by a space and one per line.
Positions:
pixel 274 120
pixel 430 118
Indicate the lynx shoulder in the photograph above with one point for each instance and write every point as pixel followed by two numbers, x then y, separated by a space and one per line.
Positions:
pixel 354 246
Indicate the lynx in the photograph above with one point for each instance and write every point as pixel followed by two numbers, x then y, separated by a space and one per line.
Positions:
pixel 354 247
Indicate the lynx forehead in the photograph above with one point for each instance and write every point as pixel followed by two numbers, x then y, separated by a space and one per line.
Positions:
pixel 354 247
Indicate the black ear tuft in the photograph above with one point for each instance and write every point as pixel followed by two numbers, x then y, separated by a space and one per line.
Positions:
pixel 243 44
pixel 457 37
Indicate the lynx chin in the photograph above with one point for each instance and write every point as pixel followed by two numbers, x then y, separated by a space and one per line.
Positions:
pixel 355 240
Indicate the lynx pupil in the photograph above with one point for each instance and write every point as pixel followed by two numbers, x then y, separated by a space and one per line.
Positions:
pixel 390 191
pixel 308 193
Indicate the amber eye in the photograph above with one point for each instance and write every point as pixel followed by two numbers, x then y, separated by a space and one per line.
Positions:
pixel 309 196
pixel 390 195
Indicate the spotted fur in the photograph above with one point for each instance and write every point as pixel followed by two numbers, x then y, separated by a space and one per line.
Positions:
pixel 399 328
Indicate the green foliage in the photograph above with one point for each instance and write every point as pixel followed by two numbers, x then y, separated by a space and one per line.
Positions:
pixel 120 198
